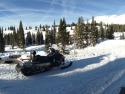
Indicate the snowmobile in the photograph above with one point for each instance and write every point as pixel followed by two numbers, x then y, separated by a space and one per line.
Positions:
pixel 40 64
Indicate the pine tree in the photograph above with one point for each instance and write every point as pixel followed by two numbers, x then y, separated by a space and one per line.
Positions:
pixel 29 39
pixel 21 36
pixel 47 40
pixel 7 39
pixel 44 29
pixel 59 32
pixel 38 38
pixel 54 33
pixel 110 32
pixel 11 40
pixel 8 28
pixel 62 35
pixel 33 39
pixel 40 27
pixel 94 32
pixel 30 27
pixel 14 37
pixel 17 38
pixel 102 34
pixel 2 43
pixel 80 34
pixel 87 34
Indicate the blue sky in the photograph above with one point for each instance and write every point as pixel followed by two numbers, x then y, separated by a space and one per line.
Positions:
pixel 35 12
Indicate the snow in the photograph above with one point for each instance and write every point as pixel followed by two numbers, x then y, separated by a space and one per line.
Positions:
pixel 37 48
pixel 8 31
pixel 7 72
pixel 9 48
pixel 70 30
pixel 119 35
pixel 25 53
pixel 32 31
pixel 96 70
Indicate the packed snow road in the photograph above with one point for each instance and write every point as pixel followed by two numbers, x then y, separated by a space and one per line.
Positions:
pixel 96 70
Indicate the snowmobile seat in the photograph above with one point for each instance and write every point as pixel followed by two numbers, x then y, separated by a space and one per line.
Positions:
pixel 41 59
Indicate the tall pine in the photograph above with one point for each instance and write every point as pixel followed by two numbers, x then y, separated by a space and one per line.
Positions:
pixel 14 37
pixel 94 32
pixel 47 40
pixel 102 33
pixel 29 39
pixel 39 37
pixel 21 37
pixel 2 43
pixel 62 35
pixel 80 34
pixel 54 33
pixel 109 32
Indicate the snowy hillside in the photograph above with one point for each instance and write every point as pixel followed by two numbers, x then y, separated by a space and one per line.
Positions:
pixel 96 70
pixel 34 31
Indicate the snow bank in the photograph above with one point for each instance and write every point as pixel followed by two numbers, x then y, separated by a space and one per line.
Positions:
pixel 8 72
pixel 36 48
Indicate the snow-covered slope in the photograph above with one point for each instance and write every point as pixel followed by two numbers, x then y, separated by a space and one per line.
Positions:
pixel 34 31
pixel 96 70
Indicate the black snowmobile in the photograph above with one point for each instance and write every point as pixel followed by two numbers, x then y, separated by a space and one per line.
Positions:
pixel 40 64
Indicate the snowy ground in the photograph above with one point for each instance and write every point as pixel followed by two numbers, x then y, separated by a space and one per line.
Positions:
pixel 96 70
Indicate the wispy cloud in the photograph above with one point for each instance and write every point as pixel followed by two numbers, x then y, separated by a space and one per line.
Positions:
pixel 45 11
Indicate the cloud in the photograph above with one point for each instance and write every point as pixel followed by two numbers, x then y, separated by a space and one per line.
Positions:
pixel 111 19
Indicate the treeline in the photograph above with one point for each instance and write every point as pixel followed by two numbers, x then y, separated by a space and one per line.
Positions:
pixel 16 38
pixel 91 33
pixel 85 34
pixel 21 39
